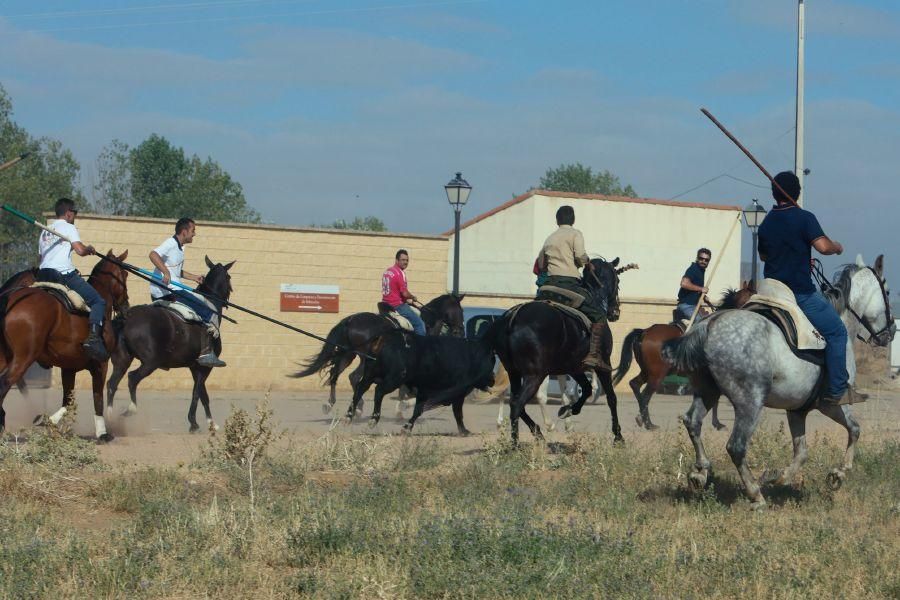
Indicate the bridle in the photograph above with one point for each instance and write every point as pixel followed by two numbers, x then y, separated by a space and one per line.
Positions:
pixel 826 286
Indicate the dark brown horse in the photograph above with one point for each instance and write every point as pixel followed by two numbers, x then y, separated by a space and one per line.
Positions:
pixel 646 344
pixel 161 339
pixel 539 340
pixel 38 328
pixel 360 332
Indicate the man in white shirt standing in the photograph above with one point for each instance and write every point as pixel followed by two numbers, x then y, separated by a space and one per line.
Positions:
pixel 168 259
pixel 56 266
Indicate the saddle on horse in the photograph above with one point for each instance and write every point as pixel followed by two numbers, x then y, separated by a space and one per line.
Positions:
pixel 70 299
pixel 387 311
pixel 775 301
pixel 187 314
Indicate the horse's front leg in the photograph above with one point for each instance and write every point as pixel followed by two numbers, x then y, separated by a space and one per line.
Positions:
pixel 842 415
pixel 68 401
pixel 98 381
pixel 530 384
pixel 797 425
pixel 605 378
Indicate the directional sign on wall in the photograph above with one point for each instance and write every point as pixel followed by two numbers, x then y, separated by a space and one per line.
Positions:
pixel 300 297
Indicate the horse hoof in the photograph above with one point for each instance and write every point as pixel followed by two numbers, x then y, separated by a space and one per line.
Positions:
pixel 326 408
pixel 565 412
pixel 358 412
pixel 758 505
pixel 194 428
pixel 40 421
pixel 569 425
pixel 619 441
pixel 128 412
pixel 772 477
pixel 639 421
pixel 105 438
pixel 720 426
pixel 212 427
pixel 650 426
pixel 372 423
pixel 550 426
pixel 835 479
pixel 406 429
pixel 347 420
pixel 464 433
pixel 697 480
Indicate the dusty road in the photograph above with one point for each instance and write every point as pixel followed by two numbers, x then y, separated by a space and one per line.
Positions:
pixel 158 433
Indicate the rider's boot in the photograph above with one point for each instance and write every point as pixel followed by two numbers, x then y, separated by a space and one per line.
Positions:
pixel 593 360
pixel 207 356
pixel 94 345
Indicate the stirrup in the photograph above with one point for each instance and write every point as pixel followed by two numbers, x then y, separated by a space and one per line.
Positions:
pixel 210 360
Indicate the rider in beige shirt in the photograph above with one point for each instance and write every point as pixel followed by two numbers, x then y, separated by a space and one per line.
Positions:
pixel 562 256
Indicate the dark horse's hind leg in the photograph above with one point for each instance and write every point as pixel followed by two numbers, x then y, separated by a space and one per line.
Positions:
pixel 458 415
pixel 528 387
pixel 135 377
pixel 121 360
pixel 336 371
pixel 199 393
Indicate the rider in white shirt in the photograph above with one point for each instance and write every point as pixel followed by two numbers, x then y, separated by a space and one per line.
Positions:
pixel 168 258
pixel 56 266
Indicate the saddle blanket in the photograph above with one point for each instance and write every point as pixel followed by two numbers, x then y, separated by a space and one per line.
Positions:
pixel 775 294
pixel 572 312
pixel 398 319
pixel 187 314
pixel 73 301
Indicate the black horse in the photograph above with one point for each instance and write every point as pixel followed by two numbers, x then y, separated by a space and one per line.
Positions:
pixel 538 340
pixel 360 332
pixel 160 339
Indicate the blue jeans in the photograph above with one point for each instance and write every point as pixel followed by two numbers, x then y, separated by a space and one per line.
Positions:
pixel 822 315
pixel 405 310
pixel 686 310
pixel 95 302
pixel 196 304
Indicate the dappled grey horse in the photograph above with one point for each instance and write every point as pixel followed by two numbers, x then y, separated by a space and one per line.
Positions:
pixel 744 355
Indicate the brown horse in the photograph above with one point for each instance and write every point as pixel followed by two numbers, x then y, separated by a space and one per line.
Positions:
pixel 37 327
pixel 646 345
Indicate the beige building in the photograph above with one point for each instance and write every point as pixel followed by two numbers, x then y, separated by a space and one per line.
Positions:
pixel 498 249
pixel 260 354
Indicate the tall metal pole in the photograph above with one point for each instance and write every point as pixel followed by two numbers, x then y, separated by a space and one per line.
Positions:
pixel 456 254
pixel 798 140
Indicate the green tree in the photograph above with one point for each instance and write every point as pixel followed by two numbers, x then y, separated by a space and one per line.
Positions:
pixel 582 180
pixel 32 186
pixel 157 179
pixel 360 224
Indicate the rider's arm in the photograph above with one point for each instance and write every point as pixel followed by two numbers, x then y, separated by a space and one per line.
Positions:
pixel 82 250
pixel 825 245
pixel 581 257
pixel 160 264
pixel 686 284
pixel 191 276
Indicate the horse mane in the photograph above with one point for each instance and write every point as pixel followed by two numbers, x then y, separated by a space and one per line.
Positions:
pixel 839 293
pixel 729 298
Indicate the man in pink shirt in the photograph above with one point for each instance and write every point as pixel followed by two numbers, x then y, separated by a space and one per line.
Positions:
pixel 394 291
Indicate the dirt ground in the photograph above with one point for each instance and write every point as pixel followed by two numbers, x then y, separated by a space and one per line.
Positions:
pixel 158 433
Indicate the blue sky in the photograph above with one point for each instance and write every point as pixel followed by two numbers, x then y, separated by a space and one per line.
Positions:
pixel 333 109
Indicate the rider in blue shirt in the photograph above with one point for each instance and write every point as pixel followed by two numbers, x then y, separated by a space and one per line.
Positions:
pixel 786 237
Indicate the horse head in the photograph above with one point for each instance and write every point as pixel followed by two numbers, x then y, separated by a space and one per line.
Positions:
pixel 109 279
pixel 863 291
pixel 447 310
pixel 217 282
pixel 604 281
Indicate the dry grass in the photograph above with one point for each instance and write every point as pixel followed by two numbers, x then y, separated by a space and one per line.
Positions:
pixel 398 517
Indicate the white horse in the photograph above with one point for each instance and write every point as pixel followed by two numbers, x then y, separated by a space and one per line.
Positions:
pixel 744 355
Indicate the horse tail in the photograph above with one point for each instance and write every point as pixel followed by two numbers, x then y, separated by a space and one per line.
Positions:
pixel 628 350
pixel 688 353
pixel 335 347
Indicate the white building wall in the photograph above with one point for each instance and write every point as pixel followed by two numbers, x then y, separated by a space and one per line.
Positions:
pixel 498 251
pixel 494 253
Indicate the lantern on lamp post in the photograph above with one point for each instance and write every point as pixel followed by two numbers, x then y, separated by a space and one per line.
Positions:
pixel 753 217
pixel 457 194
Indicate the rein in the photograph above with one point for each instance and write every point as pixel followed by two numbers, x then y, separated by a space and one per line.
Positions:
pixel 826 286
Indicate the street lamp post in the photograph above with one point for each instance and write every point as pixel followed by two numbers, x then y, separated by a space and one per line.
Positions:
pixel 753 217
pixel 457 194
